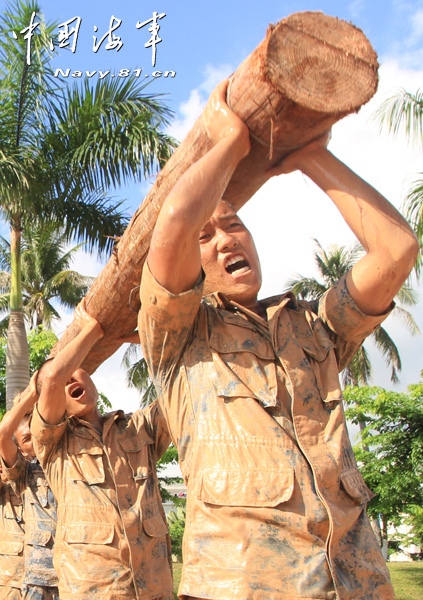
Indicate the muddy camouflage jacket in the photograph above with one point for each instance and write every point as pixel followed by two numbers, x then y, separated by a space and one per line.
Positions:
pixel 11 538
pixel 39 508
pixel 111 539
pixel 276 504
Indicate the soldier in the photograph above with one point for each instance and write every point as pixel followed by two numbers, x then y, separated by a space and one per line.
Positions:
pixel 112 539
pixel 39 505
pixel 276 504
pixel 11 542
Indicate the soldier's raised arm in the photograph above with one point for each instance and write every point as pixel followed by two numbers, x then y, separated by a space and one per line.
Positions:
pixel 174 256
pixel 390 244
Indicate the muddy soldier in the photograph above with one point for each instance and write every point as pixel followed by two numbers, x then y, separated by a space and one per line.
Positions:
pixel 39 505
pixel 276 505
pixel 112 540
pixel 11 542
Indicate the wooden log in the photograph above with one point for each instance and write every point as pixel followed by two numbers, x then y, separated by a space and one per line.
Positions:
pixel 310 71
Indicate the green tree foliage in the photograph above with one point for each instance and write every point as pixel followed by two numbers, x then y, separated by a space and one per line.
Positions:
pixel 45 275
pixel 404 112
pixel 390 452
pixel 61 149
pixel 332 264
pixel 40 343
pixel 176 522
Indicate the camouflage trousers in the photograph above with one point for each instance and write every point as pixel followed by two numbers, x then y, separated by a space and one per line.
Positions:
pixel 39 592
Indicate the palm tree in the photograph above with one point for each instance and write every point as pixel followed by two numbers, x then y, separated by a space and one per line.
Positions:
pixel 332 265
pixel 404 111
pixel 46 276
pixel 60 150
pixel 137 375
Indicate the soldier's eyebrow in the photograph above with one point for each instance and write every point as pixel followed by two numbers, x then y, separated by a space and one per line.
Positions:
pixel 228 217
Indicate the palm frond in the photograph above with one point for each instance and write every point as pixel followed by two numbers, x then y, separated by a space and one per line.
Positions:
pixel 413 207
pixel 403 111
pixel 109 133
pixel 306 287
pixel 389 351
pixel 408 320
pixel 359 370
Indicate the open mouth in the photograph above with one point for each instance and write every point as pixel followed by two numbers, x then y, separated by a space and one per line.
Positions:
pixel 236 263
pixel 77 392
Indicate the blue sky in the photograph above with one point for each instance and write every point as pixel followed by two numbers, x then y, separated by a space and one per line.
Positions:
pixel 204 42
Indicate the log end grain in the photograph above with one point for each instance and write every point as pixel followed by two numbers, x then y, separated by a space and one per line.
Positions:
pixel 322 62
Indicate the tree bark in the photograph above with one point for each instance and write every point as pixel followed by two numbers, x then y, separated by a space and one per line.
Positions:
pixel 310 71
pixel 17 357
pixel 17 352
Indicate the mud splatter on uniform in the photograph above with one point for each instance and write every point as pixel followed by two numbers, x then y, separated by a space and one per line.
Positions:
pixel 276 504
pixel 111 539
pixel 11 544
pixel 39 508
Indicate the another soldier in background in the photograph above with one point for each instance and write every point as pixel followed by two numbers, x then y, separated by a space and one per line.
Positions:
pixel 39 505
pixel 112 539
pixel 11 542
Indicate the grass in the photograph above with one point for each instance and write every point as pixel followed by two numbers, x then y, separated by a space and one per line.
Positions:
pixel 177 571
pixel 407 579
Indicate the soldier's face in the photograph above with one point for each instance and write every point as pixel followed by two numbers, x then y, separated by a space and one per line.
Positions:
pixel 229 257
pixel 81 394
pixel 24 440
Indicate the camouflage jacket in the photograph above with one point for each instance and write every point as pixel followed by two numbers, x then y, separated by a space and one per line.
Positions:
pixel 11 538
pixel 276 504
pixel 111 540
pixel 39 509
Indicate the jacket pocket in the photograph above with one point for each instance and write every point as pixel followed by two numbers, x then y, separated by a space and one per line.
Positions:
pixel 244 363
pixel 318 347
pixel 353 483
pixel 85 460
pixel 155 526
pixel 37 537
pixel 235 487
pixel 11 543
pixel 88 533
pixel 136 449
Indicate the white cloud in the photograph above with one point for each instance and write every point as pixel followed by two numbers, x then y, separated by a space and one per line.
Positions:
pixel 190 111
pixel 416 28
pixel 408 47
pixel 213 75
pixel 355 8
pixel 194 106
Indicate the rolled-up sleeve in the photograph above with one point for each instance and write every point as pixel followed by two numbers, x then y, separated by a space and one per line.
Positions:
pixel 16 474
pixel 165 322
pixel 45 436
pixel 346 321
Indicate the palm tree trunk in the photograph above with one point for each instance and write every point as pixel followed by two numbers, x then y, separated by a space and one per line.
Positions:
pixel 17 354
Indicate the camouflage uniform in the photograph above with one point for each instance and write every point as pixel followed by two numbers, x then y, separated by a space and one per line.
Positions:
pixel 11 544
pixel 39 507
pixel 111 539
pixel 276 504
